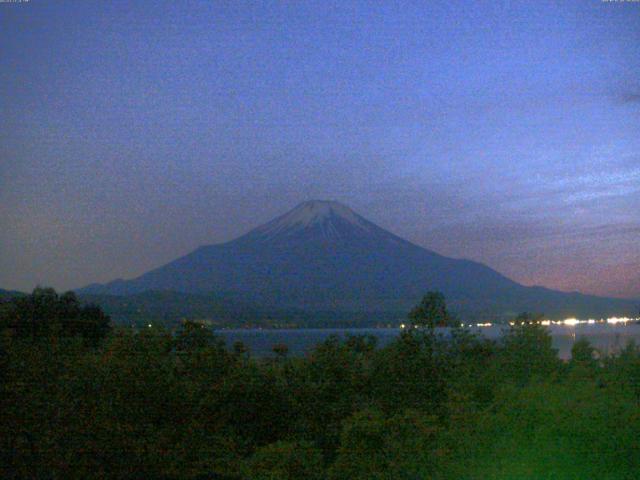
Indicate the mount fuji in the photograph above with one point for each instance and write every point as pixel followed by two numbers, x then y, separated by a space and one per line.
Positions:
pixel 322 256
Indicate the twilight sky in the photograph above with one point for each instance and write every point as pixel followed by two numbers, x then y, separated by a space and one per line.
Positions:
pixel 507 132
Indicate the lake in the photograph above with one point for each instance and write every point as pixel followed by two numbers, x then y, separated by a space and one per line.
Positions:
pixel 607 338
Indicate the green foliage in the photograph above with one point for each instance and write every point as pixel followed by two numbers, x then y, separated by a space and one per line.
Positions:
pixel 240 349
pixel 193 336
pixel 623 370
pixel 527 318
pixel 409 373
pixel 285 461
pixel 327 387
pixel 567 430
pixel 44 313
pixel 470 361
pixel 151 404
pixel 431 312
pixel 281 350
pixel 583 354
pixel 527 352
pixel 403 446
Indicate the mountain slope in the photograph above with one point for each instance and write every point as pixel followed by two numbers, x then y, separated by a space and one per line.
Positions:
pixel 9 294
pixel 323 256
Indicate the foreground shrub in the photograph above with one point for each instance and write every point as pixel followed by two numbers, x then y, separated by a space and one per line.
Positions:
pixel 373 446
pixel 285 461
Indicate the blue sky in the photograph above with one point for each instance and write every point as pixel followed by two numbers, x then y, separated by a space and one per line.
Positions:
pixel 506 132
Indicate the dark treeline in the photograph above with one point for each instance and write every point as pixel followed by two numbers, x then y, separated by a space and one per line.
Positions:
pixel 169 308
pixel 79 399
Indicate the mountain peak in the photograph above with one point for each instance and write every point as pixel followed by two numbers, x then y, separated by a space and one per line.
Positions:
pixel 325 214
pixel 323 256
pixel 318 210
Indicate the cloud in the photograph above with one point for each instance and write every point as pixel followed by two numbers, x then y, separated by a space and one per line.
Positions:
pixel 630 98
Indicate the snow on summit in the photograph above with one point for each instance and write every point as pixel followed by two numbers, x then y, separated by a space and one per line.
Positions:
pixel 315 212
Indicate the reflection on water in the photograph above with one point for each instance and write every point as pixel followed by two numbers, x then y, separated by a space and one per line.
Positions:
pixel 606 337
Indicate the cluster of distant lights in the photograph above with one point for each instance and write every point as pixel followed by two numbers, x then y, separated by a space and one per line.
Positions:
pixel 569 322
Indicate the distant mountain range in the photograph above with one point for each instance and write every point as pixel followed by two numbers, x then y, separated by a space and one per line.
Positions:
pixel 323 257
pixel 8 294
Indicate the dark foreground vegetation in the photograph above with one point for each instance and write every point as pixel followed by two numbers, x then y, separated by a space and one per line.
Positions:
pixel 79 399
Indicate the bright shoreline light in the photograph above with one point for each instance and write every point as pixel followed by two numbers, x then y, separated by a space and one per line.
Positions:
pixel 568 322
pixel 619 320
pixel 612 320
pixel 572 322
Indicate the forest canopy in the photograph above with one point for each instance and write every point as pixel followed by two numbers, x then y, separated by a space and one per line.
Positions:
pixel 81 400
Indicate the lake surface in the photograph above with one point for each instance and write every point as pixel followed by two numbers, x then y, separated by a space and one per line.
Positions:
pixel 607 338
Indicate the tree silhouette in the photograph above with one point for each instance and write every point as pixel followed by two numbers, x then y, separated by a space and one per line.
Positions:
pixel 44 313
pixel 431 311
